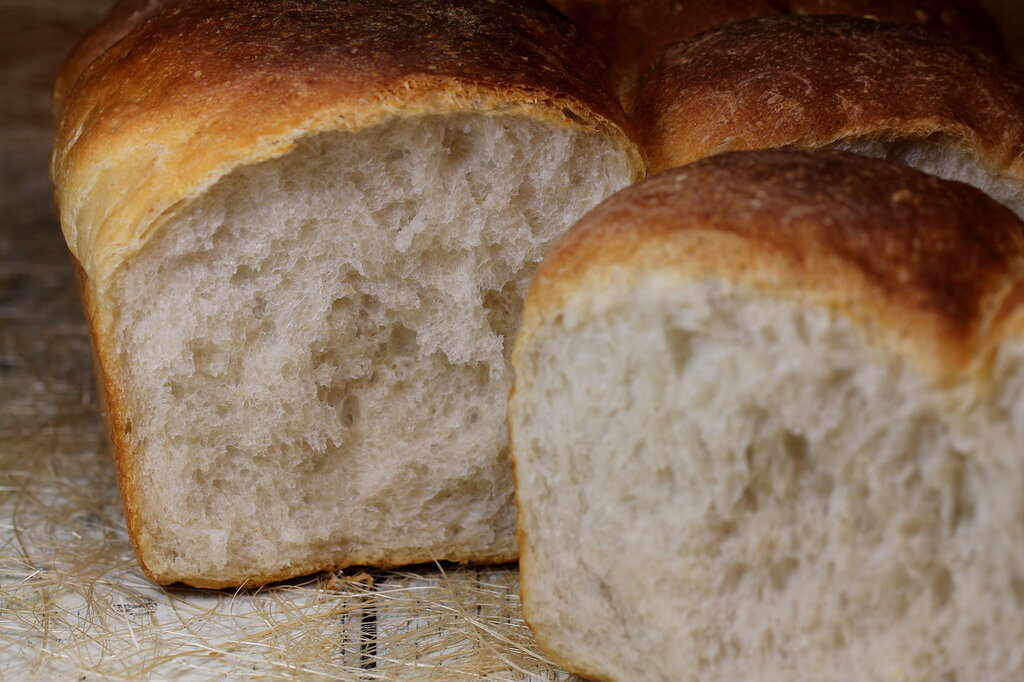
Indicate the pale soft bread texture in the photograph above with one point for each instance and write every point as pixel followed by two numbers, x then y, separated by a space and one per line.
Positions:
pixel 944 159
pixel 810 82
pixel 301 249
pixel 767 424
pixel 632 33
pixel 325 373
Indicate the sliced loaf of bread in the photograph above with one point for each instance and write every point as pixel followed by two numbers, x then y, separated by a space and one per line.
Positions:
pixel 768 424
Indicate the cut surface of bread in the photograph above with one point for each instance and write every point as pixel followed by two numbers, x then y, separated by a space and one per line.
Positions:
pixel 945 159
pixel 811 82
pixel 315 355
pixel 766 438
pixel 303 229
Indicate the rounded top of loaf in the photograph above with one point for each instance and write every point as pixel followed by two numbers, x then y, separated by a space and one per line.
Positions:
pixel 186 91
pixel 810 81
pixel 633 32
pixel 929 267
pixel 122 17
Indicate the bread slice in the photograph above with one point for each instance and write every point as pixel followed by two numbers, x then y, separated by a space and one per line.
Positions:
pixel 885 90
pixel 768 424
pixel 632 33
pixel 304 231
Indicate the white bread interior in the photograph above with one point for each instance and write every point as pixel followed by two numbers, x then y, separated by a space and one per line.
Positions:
pixel 944 157
pixel 314 353
pixel 720 484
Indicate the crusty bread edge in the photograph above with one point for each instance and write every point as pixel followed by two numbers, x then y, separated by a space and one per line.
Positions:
pixel 573 667
pixel 680 121
pixel 120 19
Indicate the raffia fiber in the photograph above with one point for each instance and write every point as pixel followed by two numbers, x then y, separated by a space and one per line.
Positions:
pixel 73 603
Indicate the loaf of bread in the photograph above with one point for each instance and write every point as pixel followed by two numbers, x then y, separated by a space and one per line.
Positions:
pixel 885 90
pixel 303 230
pixel 767 424
pixel 631 33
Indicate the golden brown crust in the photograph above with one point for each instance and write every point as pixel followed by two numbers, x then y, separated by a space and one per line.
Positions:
pixel 380 561
pixel 122 18
pixel 632 32
pixel 809 81
pixel 201 87
pixel 111 405
pixel 928 267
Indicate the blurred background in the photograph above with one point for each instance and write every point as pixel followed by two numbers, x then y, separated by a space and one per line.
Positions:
pixel 1009 14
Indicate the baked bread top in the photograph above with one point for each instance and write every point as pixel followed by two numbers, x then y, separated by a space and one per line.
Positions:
pixel 122 17
pixel 633 32
pixel 810 81
pixel 931 267
pixel 195 89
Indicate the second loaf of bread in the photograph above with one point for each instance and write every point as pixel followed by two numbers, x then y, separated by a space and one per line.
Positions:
pixel 768 424
pixel 880 89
